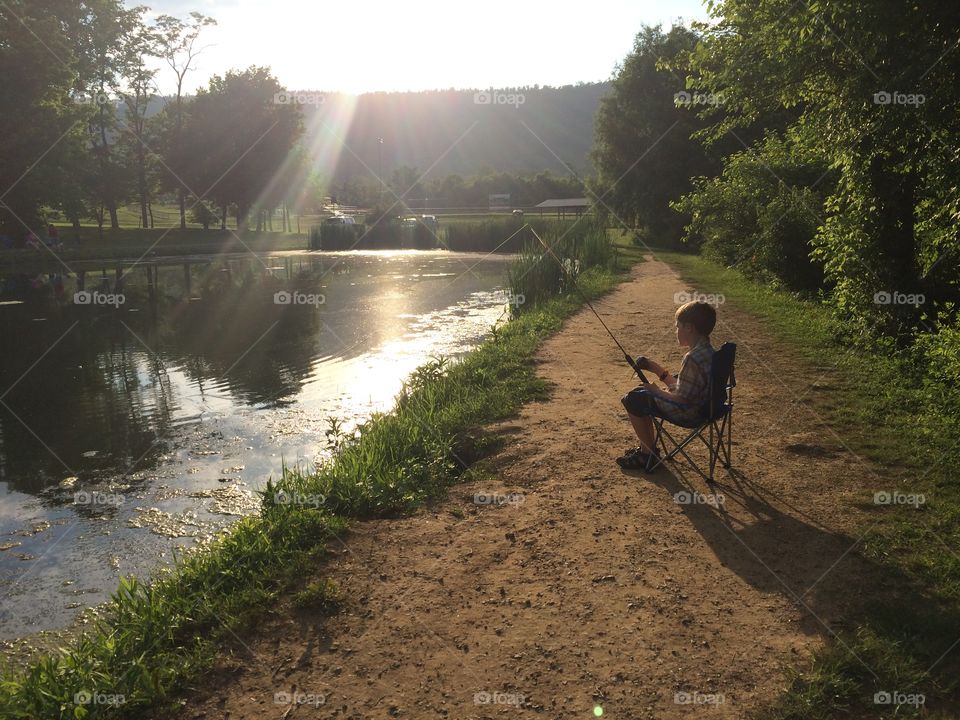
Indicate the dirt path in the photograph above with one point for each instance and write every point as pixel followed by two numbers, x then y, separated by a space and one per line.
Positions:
pixel 598 589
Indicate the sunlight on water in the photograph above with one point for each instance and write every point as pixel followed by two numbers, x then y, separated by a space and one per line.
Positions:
pixel 142 432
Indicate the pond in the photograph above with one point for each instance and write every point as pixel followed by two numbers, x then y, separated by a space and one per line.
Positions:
pixel 134 426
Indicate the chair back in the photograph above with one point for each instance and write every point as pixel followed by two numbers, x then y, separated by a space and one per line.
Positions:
pixel 722 380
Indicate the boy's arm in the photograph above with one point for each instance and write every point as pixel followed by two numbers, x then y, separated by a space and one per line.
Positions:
pixel 662 373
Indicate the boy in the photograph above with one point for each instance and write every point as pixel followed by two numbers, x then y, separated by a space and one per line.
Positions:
pixel 685 395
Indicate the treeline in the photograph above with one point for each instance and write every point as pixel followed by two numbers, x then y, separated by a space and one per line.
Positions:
pixel 518 130
pixel 81 138
pixel 814 149
pixel 456 191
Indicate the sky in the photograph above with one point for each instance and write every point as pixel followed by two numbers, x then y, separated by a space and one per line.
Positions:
pixel 359 46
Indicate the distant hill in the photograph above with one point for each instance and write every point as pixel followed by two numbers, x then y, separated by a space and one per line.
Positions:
pixel 453 131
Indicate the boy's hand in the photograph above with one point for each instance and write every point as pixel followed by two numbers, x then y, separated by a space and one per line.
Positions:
pixel 642 363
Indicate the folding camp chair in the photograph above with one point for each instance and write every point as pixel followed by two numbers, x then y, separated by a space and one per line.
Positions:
pixel 716 418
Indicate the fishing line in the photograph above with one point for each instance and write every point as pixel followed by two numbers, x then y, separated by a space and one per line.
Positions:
pixel 573 281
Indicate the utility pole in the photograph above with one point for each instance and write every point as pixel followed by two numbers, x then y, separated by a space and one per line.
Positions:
pixel 380 168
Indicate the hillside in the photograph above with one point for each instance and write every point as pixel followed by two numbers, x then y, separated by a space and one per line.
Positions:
pixel 451 133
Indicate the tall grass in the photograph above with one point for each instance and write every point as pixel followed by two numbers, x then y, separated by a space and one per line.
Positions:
pixel 538 275
pixel 334 237
pixel 503 234
pixel 388 233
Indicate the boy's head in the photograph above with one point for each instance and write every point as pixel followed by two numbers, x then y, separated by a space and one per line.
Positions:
pixel 695 320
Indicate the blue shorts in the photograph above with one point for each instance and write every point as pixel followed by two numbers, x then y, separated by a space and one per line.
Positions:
pixel 641 402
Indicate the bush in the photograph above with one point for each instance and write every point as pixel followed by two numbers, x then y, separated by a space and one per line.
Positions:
pixel 761 214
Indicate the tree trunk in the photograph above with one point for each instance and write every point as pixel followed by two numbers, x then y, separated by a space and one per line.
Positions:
pixel 104 152
pixel 223 217
pixel 242 210
pixel 896 264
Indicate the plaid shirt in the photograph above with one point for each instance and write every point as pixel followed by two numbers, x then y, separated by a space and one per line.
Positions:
pixel 693 383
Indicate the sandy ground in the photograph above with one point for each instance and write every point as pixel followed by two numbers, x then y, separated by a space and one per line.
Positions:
pixel 593 589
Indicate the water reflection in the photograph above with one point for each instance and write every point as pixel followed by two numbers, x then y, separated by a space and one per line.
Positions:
pixel 188 395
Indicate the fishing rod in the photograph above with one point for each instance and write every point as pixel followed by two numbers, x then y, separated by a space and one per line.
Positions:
pixel 573 281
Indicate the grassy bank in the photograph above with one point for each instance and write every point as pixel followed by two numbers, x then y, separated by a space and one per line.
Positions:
pixel 883 406
pixel 154 637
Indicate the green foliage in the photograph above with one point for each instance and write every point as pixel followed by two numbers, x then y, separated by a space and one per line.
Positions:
pixel 204 214
pixel 221 155
pixel 643 151
pixel 322 595
pixel 873 93
pixel 762 213
pixel 154 636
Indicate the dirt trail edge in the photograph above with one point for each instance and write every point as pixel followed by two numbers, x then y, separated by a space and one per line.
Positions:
pixel 592 587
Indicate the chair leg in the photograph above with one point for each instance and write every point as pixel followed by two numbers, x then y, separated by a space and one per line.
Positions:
pixel 729 421
pixel 713 451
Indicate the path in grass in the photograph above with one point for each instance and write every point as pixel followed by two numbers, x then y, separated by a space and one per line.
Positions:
pixel 598 589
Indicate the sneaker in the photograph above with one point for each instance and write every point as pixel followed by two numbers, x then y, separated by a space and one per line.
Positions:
pixel 638 459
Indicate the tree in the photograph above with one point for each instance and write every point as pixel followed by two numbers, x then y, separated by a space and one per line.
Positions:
pixel 238 139
pixel 177 43
pixel 876 93
pixel 41 110
pixel 103 38
pixel 643 152
pixel 136 93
